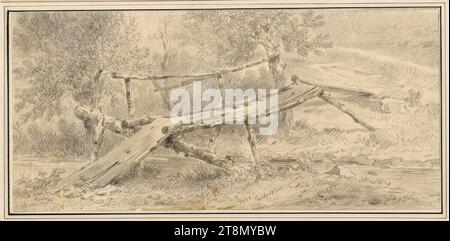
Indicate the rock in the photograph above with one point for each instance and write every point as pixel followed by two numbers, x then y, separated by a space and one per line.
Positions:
pixel 389 105
pixel 72 194
pixel 115 191
pixel 372 172
pixel 86 196
pixel 41 198
pixel 340 171
pixel 346 172
pixel 270 140
pixel 154 196
pixel 100 192
pixel 374 201
pixel 334 171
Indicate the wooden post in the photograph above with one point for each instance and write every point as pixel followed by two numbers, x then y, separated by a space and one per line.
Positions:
pixel 219 127
pixel 251 137
pixel 130 106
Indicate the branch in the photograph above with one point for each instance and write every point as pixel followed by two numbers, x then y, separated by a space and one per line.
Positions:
pixel 204 155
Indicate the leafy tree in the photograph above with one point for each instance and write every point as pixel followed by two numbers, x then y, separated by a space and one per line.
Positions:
pixel 60 55
pixel 64 54
pixel 233 36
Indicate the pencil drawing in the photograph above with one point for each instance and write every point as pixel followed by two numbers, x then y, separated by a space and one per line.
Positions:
pixel 330 109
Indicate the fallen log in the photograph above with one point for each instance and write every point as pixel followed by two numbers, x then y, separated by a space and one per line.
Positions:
pixel 86 113
pixel 113 124
pixel 131 123
pixel 123 157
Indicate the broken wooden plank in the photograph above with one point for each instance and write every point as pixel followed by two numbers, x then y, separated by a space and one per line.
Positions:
pixel 122 158
pixel 117 161
pixel 298 99
pixel 287 99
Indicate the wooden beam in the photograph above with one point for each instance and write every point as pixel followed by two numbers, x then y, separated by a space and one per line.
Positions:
pixel 332 88
pixel 299 99
pixel 196 76
pixel 222 94
pixel 330 100
pixel 131 123
pixel 192 151
pixel 251 138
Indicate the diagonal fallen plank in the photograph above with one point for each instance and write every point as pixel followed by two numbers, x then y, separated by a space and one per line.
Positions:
pixel 330 100
pixel 117 161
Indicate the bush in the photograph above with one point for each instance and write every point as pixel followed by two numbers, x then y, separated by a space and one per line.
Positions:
pixel 69 139
pixel 65 139
pixel 27 187
pixel 414 97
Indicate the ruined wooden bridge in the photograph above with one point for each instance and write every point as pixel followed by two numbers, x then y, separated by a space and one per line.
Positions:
pixel 145 134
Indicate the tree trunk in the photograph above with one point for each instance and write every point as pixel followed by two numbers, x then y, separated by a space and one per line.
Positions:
pixel 89 133
pixel 92 146
pixel 164 94
pixel 277 67
pixel 164 66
